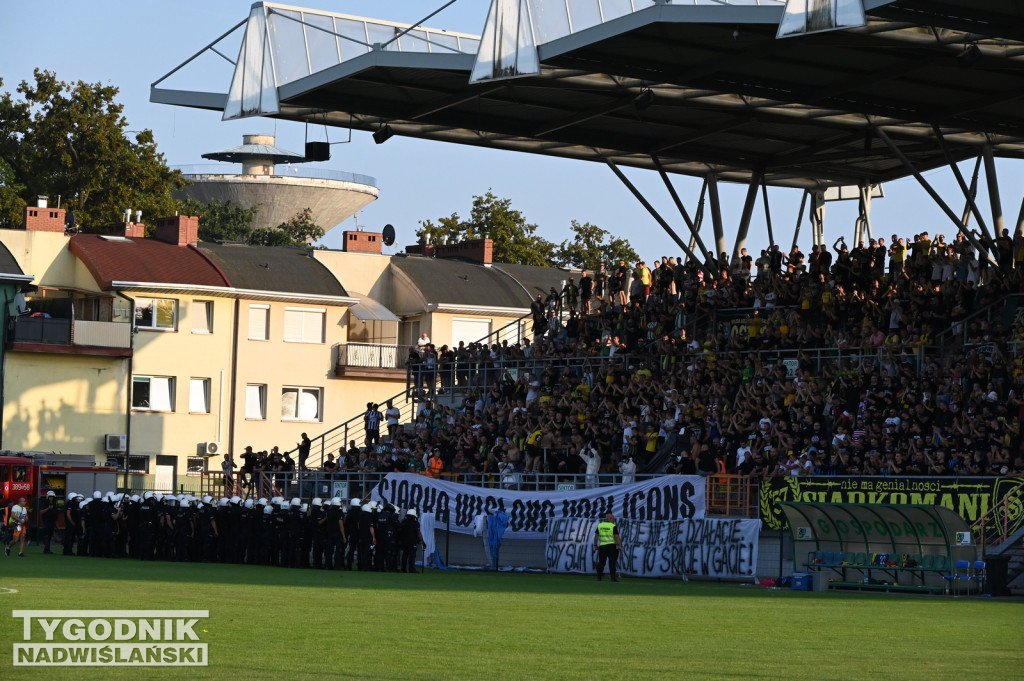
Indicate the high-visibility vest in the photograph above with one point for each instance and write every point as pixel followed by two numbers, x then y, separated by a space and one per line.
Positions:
pixel 605 533
pixel 434 465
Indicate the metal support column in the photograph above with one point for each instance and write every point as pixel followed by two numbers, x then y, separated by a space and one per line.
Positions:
pixel 998 223
pixel 748 212
pixel 654 213
pixel 716 214
pixel 768 211
pixel 690 224
pixel 818 216
pixel 928 188
pixel 865 192
pixel 969 192
pixel 799 219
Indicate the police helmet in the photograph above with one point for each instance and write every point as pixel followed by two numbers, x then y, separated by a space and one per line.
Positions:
pixel 185 503
pixel 268 510
pixel 304 508
pixel 207 499
pixel 355 501
pixel 336 501
pixel 135 498
pixel 235 500
pixel 317 501
pixel 262 501
pixel 223 502
pixel 296 501
pixel 249 503
pixel 286 505
pixel 412 512
pixel 158 497
pixel 147 496
pixel 97 494
pixel 50 494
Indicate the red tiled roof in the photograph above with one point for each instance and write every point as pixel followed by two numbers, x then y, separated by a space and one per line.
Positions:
pixel 143 260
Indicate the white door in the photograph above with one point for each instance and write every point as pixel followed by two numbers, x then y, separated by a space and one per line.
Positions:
pixel 164 478
pixel 469 330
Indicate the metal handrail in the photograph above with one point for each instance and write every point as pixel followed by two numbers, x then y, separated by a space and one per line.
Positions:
pixel 993 527
pixel 947 334
pixel 327 441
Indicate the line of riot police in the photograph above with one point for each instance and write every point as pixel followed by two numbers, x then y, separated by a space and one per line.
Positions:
pixel 322 534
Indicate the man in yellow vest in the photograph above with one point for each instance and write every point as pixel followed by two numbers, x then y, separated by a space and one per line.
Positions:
pixel 608 544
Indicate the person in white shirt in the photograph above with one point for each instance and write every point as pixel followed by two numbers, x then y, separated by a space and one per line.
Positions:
pixel 628 469
pixel 392 415
pixel 593 461
pixel 17 518
pixel 423 342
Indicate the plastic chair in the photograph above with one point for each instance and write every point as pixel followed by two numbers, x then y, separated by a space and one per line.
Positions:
pixel 940 562
pixel 977 576
pixel 961 573
pixel 861 559
pixel 849 557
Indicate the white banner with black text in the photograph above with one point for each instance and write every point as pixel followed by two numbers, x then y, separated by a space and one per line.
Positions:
pixel 530 514
pixel 705 547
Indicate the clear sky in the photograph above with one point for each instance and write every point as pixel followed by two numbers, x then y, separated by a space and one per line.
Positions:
pixel 131 43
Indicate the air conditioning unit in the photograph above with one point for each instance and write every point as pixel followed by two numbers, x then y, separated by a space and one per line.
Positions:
pixel 115 443
pixel 208 448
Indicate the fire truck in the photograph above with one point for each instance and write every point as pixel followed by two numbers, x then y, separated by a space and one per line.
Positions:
pixel 33 474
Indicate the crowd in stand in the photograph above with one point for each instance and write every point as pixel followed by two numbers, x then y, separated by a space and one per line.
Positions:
pixel 677 367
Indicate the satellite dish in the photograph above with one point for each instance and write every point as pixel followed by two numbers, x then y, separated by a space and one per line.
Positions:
pixel 389 235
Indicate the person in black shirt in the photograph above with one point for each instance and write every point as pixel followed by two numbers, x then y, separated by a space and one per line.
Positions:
pixel 304 447
pixel 371 420
pixel 586 291
pixel 48 516
pixel 410 538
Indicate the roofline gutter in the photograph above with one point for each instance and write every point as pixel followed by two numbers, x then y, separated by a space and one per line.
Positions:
pixel 343 301
pixel 454 308
pixel 23 278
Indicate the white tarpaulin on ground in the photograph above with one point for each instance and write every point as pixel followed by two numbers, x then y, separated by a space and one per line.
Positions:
pixel 669 497
pixel 706 547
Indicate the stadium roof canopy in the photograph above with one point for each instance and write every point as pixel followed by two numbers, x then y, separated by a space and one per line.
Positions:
pixel 726 95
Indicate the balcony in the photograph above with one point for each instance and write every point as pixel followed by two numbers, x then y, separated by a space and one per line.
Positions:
pixel 70 337
pixel 369 360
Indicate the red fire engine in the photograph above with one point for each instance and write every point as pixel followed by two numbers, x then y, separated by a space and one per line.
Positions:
pixel 33 474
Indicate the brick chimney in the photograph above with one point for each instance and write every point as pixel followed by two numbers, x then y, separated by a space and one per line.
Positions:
pixel 477 250
pixel 180 230
pixel 42 218
pixel 134 230
pixel 362 242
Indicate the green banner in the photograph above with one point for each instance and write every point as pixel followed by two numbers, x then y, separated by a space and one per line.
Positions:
pixel 969 497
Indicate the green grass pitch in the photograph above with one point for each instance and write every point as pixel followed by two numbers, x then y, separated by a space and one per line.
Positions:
pixel 268 623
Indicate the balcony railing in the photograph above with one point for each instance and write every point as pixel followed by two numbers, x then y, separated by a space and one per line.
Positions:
pixel 232 170
pixel 102 334
pixel 40 330
pixel 49 331
pixel 369 355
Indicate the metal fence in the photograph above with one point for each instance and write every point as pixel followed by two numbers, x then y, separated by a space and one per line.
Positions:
pixel 370 355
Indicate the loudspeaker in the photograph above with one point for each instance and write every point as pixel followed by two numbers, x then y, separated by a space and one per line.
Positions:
pixel 318 151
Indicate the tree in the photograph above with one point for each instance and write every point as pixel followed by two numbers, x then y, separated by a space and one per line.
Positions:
pixel 221 221
pixel 231 222
pixel 515 240
pixel 71 140
pixel 590 246
pixel 12 206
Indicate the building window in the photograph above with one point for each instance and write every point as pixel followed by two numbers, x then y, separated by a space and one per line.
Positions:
pixel 259 322
pixel 202 316
pixel 153 393
pixel 304 325
pixel 256 402
pixel 199 396
pixel 196 466
pixel 301 404
pixel 136 464
pixel 157 314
